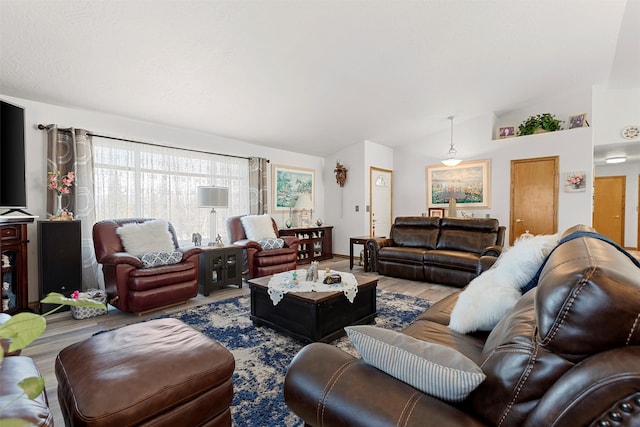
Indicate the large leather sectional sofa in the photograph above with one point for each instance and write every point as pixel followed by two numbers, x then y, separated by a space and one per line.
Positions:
pixel 437 250
pixel 567 354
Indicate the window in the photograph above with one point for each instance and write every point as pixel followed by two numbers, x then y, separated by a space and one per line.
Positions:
pixel 141 180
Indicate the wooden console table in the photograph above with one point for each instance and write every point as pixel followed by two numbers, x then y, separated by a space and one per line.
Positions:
pixel 316 243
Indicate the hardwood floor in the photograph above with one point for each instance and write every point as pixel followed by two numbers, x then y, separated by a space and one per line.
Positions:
pixel 63 330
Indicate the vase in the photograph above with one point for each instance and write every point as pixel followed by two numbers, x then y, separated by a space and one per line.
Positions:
pixel 59 204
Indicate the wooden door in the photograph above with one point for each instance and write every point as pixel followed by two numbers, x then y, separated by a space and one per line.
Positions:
pixel 608 206
pixel 534 196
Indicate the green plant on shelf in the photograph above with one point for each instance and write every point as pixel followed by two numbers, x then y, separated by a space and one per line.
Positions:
pixel 22 329
pixel 540 122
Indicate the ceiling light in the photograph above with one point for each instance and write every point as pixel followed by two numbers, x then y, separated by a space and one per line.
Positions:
pixel 451 155
pixel 616 159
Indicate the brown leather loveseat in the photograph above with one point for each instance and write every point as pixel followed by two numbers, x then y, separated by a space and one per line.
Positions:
pixel 437 250
pixel 567 354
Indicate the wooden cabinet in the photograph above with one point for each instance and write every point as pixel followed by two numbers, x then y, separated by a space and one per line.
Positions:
pixel 13 246
pixel 220 266
pixel 316 243
pixel 60 258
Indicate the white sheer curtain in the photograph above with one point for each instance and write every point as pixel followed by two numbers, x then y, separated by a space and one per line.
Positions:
pixel 141 180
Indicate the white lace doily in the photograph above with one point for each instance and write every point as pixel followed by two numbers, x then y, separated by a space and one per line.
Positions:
pixel 282 283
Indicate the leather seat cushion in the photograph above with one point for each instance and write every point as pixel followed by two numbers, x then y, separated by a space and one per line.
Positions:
pixel 405 255
pixel 452 259
pixel 156 370
pixel 274 257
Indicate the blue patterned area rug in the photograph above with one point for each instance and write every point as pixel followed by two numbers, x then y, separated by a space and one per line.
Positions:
pixel 263 355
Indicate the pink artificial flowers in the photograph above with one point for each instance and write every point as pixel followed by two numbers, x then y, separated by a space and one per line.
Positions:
pixel 75 295
pixel 61 184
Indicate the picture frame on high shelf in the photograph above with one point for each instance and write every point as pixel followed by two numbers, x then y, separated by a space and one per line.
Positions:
pixel 469 182
pixel 436 212
pixel 578 121
pixel 288 183
pixel 507 132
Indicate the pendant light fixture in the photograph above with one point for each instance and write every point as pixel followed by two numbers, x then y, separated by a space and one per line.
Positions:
pixel 451 155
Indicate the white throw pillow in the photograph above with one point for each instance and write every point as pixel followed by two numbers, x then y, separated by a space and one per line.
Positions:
pixel 488 297
pixel 432 368
pixel 258 227
pixel 146 237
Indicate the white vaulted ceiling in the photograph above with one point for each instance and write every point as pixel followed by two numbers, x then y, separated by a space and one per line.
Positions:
pixel 308 76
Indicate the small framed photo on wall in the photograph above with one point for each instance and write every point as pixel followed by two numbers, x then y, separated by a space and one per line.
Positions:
pixel 436 212
pixel 578 121
pixel 507 132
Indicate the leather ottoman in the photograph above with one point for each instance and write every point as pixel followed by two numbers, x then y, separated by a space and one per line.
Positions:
pixel 156 373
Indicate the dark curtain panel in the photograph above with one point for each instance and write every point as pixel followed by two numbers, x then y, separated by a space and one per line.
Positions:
pixel 71 150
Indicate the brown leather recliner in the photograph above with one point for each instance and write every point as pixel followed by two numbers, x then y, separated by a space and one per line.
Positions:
pixel 567 354
pixel 135 289
pixel 257 261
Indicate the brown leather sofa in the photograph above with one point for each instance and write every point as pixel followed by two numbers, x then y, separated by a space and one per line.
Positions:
pixel 257 261
pixel 567 354
pixel 437 250
pixel 135 289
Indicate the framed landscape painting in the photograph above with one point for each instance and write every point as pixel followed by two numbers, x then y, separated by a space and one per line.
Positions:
pixel 288 182
pixel 468 183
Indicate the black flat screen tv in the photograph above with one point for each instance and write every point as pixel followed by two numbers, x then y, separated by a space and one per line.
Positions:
pixel 13 188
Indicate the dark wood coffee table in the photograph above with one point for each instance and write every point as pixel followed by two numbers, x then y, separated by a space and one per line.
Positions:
pixel 313 316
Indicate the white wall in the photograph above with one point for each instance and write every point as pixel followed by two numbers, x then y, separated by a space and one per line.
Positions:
pixel 36 170
pixel 574 147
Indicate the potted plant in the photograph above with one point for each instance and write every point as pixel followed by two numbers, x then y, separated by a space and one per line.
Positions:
pixel 545 122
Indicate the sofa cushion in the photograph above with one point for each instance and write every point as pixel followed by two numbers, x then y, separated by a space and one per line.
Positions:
pixel 432 368
pixel 258 227
pixel 146 237
pixel 155 259
pixel 416 232
pixel 402 254
pixel 269 244
pixel 469 235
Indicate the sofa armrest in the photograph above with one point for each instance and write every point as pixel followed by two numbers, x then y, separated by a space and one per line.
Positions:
pixel 189 252
pixel 485 263
pixel 373 246
pixel 122 258
pixel 592 390
pixel 325 386
pixel 290 241
pixel 248 244
pixel 492 251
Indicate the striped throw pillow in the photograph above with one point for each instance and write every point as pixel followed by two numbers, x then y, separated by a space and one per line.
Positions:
pixel 432 368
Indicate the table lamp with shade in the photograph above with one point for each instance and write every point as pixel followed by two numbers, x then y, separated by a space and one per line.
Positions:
pixel 303 204
pixel 213 197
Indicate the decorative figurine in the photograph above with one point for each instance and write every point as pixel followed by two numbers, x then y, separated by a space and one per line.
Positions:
pixel 5 261
pixel 319 222
pixel 196 238
pixel 312 272
pixel 294 278
pixel 332 279
pixel 219 242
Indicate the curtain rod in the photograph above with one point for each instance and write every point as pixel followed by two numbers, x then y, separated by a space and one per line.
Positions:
pixel 46 127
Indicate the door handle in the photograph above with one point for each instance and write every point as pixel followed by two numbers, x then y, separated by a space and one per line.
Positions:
pixel 617 216
pixel 519 220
